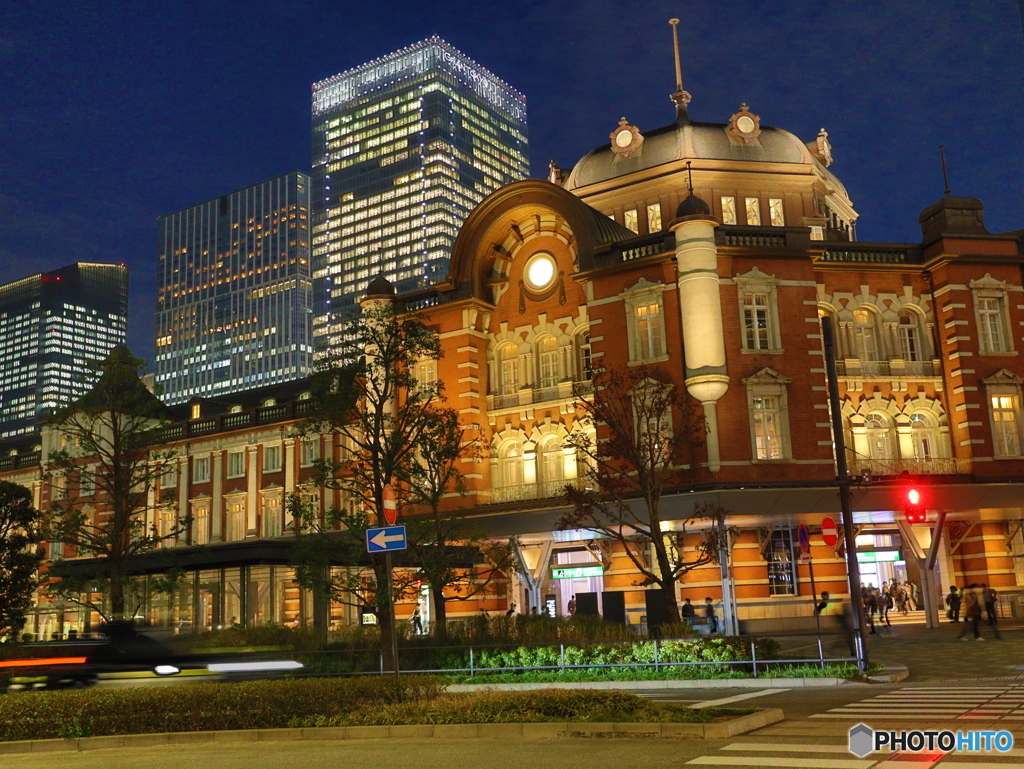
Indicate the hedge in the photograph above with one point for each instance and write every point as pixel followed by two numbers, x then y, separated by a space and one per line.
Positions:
pixel 311 702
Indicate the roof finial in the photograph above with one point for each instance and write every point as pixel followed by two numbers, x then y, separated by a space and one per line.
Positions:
pixel 689 176
pixel 945 176
pixel 680 98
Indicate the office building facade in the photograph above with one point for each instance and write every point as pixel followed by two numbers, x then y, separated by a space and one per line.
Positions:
pixel 53 325
pixel 404 147
pixel 234 292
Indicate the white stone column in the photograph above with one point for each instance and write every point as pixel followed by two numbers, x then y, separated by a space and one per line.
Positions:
pixel 700 305
pixel 217 500
pixel 252 491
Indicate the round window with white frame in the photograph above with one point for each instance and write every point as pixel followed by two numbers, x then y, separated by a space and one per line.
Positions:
pixel 540 271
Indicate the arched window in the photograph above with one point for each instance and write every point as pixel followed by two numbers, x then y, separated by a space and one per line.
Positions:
pixel 865 335
pixel 879 433
pixel 547 357
pixel 508 370
pixel 584 361
pixel 510 461
pixel 910 336
pixel 552 468
pixel 922 433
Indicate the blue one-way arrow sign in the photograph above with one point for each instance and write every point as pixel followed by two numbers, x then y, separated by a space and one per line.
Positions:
pixel 385 539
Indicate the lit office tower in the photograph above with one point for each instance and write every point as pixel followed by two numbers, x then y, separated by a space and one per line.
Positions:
pixel 404 147
pixel 53 326
pixel 234 297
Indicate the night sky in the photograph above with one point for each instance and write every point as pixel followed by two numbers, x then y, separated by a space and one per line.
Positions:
pixel 115 113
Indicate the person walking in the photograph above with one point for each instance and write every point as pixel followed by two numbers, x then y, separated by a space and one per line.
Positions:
pixel 572 606
pixel 709 612
pixel 870 606
pixel 912 587
pixel 417 621
pixel 953 602
pixel 688 611
pixel 972 613
pixel 990 603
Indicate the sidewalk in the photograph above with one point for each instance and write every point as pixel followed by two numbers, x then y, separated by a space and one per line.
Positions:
pixel 937 655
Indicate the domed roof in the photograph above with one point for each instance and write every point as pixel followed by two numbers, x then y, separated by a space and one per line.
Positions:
pixel 380 286
pixel 693 206
pixel 689 140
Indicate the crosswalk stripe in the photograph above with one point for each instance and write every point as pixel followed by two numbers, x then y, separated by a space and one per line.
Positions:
pixel 735 698
pixel 779 747
pixel 795 763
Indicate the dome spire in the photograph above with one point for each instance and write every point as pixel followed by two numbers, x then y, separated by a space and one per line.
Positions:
pixel 680 98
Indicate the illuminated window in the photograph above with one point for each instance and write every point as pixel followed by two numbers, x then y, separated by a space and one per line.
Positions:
pixel 1005 425
pixel 271 459
pixel 728 210
pixel 910 336
pixel 755 321
pixel 775 212
pixel 547 352
pixel 865 336
pixel 629 219
pixel 990 323
pixel 236 523
pixel 236 464
pixel 509 370
pixel 650 337
pixel 310 451
pixel 200 523
pixel 272 516
pixel 767 440
pixel 768 409
pixel 753 207
pixel 654 217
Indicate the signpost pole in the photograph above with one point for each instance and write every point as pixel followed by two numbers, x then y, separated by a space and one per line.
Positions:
pixel 391 611
pixel 845 501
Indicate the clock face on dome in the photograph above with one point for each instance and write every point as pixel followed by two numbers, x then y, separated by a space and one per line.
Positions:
pixel 745 124
pixel 624 138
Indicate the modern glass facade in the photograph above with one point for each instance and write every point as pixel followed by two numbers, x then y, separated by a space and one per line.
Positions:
pixel 404 148
pixel 234 297
pixel 52 327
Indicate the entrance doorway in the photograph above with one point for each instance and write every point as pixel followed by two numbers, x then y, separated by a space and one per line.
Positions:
pixel 565 589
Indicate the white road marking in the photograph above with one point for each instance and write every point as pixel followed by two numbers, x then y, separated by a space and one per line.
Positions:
pixel 778 747
pixel 793 763
pixel 736 698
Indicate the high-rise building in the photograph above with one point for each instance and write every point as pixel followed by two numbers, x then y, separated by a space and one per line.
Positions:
pixel 53 325
pixel 404 147
pixel 233 308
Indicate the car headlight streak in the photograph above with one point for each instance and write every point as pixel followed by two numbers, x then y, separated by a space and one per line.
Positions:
pixel 252 667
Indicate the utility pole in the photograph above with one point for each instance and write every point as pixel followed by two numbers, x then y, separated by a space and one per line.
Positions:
pixel 843 479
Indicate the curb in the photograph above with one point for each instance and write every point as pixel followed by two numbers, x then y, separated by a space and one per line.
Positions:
pixel 714 731
pixel 891 674
pixel 695 683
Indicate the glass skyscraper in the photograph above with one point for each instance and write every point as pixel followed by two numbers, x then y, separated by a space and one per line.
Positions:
pixel 404 147
pixel 234 297
pixel 52 327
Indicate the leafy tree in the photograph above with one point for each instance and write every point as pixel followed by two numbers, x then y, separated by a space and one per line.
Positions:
pixel 634 436
pixel 445 544
pixel 20 555
pixel 110 457
pixel 367 395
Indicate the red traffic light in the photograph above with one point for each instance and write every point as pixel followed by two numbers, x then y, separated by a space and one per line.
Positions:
pixel 913 506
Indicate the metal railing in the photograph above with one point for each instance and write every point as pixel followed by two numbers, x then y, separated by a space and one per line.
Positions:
pixel 888 368
pixel 933 466
pixel 867 253
pixel 540 490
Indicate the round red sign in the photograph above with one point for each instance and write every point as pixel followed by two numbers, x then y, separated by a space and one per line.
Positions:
pixel 390 508
pixel 829 532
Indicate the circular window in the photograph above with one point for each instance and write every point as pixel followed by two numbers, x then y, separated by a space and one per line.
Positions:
pixel 540 271
pixel 745 124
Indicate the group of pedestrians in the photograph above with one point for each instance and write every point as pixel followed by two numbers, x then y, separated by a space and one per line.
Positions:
pixel 973 599
pixel 894 595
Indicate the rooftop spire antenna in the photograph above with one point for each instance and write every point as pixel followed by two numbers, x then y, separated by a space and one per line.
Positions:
pixel 680 98
pixel 675 46
pixel 945 176
pixel 689 176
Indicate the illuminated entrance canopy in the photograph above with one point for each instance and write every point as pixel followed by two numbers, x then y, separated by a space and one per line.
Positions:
pixel 879 556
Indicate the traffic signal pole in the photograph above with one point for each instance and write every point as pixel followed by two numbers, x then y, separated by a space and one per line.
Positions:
pixel 845 501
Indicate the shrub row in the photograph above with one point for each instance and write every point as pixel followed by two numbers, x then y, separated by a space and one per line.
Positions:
pixel 311 702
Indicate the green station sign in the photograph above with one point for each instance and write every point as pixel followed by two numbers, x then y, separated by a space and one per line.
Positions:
pixel 879 556
pixel 577 572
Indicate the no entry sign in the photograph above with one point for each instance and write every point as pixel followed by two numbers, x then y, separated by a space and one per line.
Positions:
pixel 390 508
pixel 829 532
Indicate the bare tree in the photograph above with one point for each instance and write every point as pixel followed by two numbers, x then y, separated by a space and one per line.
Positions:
pixel 453 554
pixel 633 439
pixel 367 396
pixel 109 458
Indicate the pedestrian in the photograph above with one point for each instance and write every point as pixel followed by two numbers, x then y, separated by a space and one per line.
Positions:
pixel 572 606
pixel 953 602
pixel 417 621
pixel 990 603
pixel 972 612
pixel 884 604
pixel 823 604
pixel 901 601
pixel 511 610
pixel 912 587
pixel 533 611
pixel 709 612
pixel 866 600
pixel 688 611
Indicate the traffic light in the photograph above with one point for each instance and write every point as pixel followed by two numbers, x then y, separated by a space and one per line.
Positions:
pixel 913 505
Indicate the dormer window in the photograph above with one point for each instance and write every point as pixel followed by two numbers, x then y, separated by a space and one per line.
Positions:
pixel 305 395
pixel 236 409
pixel 269 402
pixel 197 411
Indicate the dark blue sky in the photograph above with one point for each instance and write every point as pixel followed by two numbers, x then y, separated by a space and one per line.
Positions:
pixel 114 113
